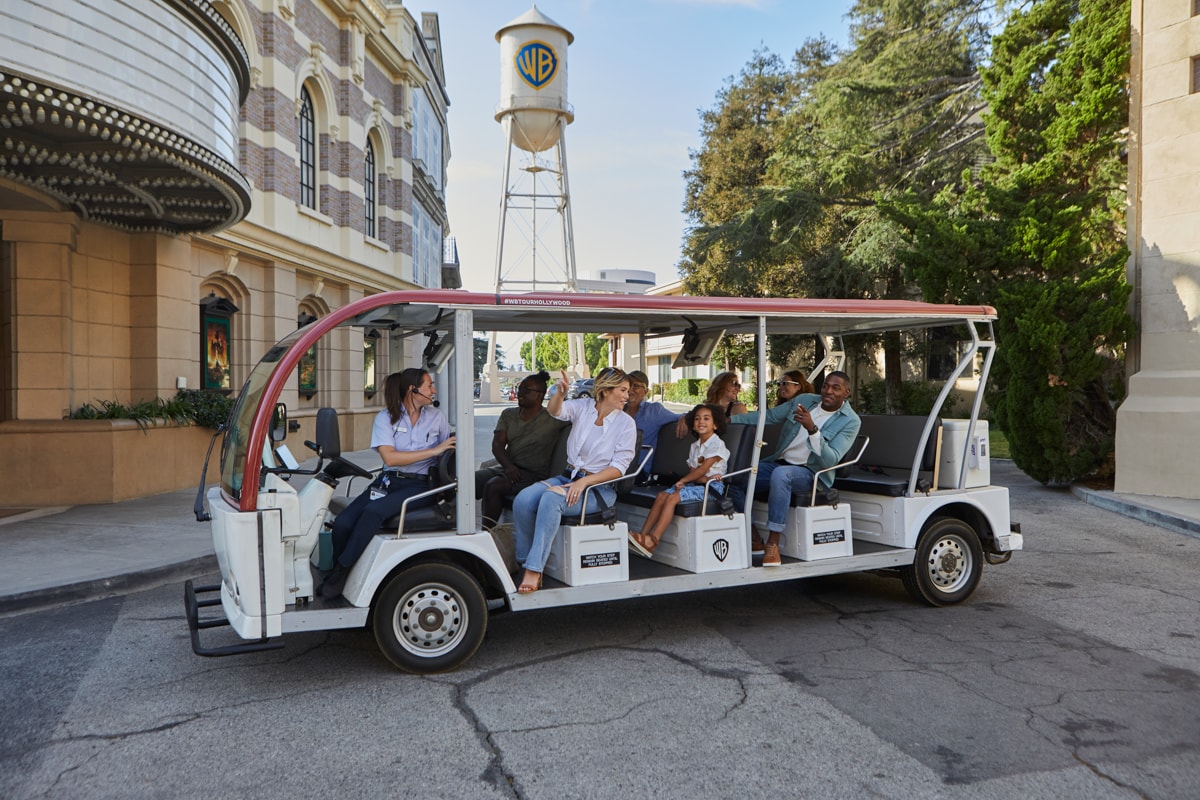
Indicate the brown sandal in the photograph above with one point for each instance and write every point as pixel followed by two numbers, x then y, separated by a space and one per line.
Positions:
pixel 639 542
pixel 528 586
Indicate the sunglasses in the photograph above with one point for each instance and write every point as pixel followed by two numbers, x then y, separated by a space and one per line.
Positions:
pixel 788 383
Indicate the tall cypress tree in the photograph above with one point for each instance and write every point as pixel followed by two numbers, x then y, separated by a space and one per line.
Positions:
pixel 1041 234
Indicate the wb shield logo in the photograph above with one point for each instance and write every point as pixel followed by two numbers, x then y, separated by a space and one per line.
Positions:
pixel 720 549
pixel 536 63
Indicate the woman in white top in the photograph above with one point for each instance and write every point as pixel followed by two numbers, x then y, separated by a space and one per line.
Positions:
pixel 409 434
pixel 600 447
pixel 708 458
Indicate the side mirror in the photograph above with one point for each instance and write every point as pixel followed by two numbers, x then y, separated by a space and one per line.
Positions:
pixel 279 423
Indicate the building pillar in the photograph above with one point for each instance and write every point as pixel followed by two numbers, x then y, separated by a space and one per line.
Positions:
pixel 1158 425
pixel 41 249
pixel 164 315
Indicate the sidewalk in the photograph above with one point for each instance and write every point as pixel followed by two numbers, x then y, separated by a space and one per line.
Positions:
pixel 71 554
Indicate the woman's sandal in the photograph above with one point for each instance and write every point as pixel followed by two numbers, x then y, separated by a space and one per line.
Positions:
pixel 639 540
pixel 528 586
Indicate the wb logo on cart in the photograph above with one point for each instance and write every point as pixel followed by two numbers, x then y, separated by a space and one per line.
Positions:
pixel 720 549
pixel 536 63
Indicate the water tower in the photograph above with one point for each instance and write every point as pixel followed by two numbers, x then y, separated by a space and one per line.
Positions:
pixel 535 204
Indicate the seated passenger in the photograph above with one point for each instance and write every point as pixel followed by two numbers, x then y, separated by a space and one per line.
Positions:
pixel 829 425
pixel 649 416
pixel 723 393
pixel 790 384
pixel 409 434
pixel 523 443
pixel 600 448
pixel 708 459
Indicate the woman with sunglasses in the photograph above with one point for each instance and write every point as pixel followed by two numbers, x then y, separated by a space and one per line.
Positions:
pixel 723 392
pixel 791 383
pixel 600 447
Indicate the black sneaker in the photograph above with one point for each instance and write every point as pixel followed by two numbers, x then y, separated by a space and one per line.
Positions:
pixel 335 582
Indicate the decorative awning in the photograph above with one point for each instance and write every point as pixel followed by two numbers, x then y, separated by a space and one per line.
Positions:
pixel 112 166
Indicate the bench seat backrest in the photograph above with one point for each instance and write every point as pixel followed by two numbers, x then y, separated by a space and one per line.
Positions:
pixel 895 439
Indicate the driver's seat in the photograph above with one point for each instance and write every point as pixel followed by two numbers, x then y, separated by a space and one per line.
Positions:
pixel 435 513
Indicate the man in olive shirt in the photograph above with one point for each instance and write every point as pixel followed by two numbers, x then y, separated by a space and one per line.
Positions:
pixel 523 445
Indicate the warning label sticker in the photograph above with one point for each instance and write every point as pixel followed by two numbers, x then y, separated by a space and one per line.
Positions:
pixel 599 560
pixel 829 537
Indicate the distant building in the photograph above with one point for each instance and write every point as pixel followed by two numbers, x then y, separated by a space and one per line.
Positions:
pixel 185 182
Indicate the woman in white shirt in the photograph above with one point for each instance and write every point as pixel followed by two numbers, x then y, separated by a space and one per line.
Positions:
pixel 600 447
pixel 409 434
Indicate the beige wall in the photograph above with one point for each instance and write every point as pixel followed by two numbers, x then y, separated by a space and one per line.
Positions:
pixel 90 313
pixel 1158 425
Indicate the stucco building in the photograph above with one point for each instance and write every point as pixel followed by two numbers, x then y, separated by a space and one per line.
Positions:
pixel 1158 425
pixel 182 182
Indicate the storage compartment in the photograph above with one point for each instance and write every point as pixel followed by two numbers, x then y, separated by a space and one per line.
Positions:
pixel 818 532
pixel 585 554
pixel 713 543
pixel 954 445
pixel 812 533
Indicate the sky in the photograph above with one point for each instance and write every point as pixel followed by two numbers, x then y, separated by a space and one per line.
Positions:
pixel 639 72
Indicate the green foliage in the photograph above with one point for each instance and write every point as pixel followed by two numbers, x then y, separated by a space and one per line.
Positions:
pixel 843 131
pixel 693 391
pixel 687 390
pixel 1040 234
pixel 479 355
pixel 143 412
pixel 916 398
pixel 553 353
pixel 209 409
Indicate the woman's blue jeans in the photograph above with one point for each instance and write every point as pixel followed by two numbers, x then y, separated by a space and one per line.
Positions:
pixel 537 514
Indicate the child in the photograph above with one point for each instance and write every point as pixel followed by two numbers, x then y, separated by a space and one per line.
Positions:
pixel 708 459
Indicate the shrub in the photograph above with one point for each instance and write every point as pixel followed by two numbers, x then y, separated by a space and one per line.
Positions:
pixel 208 409
pixel 916 398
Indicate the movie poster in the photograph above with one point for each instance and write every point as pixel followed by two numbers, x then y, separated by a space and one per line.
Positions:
pixel 216 349
pixel 308 371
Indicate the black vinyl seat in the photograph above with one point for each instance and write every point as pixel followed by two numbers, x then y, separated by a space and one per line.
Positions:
pixel 670 464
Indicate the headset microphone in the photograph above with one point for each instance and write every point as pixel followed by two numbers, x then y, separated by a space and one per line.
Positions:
pixel 433 402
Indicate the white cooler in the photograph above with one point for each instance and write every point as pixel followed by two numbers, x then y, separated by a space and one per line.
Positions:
pixel 954 438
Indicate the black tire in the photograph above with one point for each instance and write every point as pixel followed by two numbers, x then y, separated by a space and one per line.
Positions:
pixel 948 564
pixel 430 618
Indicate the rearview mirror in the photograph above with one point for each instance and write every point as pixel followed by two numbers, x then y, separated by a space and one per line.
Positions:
pixel 279 423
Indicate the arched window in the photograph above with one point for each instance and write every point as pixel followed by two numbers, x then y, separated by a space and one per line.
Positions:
pixel 369 188
pixel 308 151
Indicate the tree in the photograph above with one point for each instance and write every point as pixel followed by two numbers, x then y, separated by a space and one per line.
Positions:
pixel 1040 234
pixel 894 113
pixel 553 354
pixel 480 355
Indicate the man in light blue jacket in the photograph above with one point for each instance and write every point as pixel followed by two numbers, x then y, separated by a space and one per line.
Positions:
pixel 829 427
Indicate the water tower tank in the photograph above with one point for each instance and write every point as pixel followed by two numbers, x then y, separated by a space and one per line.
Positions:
pixel 533 79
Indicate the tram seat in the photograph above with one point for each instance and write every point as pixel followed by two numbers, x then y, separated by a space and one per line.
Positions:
pixel 670 464
pixel 558 465
pixel 435 513
pixel 886 464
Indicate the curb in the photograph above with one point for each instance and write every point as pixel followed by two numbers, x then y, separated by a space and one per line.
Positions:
pixel 100 588
pixel 1108 502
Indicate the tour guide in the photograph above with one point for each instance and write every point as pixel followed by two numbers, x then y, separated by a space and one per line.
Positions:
pixel 830 426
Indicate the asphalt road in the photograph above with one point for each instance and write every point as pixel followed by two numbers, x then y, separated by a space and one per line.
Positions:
pixel 1071 673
